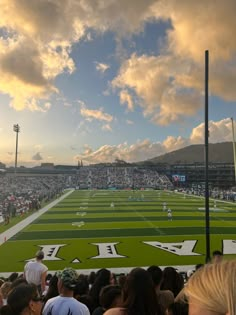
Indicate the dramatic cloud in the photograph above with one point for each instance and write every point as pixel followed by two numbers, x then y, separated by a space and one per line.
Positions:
pixel 220 131
pixel 175 143
pixel 93 114
pixel 97 115
pixel 170 86
pixel 152 78
pixel 40 35
pixel 101 67
pixel 37 157
pixel 199 25
pixel 109 153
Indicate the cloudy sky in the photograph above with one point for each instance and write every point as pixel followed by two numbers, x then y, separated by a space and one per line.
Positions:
pixel 103 79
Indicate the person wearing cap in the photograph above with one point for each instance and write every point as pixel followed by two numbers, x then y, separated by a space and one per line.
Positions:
pixel 35 272
pixel 65 303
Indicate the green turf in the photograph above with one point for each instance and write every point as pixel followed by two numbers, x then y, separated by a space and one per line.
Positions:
pixel 85 218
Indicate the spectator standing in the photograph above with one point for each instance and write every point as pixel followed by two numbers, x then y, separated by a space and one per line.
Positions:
pixel 35 272
pixel 65 303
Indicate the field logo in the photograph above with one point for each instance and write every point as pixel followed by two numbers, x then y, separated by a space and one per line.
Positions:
pixel 229 247
pixel 107 250
pixel 184 248
pixel 50 251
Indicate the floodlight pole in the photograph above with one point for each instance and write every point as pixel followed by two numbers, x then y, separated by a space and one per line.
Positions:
pixel 207 217
pixel 16 128
pixel 234 149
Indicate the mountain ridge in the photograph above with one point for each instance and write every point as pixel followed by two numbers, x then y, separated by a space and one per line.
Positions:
pixel 218 153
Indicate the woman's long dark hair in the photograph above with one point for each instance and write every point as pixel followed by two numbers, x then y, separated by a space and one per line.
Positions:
pixel 102 279
pixel 139 295
pixel 52 289
pixel 172 281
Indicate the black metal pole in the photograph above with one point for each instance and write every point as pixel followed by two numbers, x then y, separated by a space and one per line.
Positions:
pixel 207 217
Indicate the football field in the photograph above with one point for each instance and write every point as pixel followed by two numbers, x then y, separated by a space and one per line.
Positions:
pixel 92 229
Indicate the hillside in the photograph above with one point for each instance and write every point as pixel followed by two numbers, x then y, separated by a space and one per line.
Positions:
pixel 218 153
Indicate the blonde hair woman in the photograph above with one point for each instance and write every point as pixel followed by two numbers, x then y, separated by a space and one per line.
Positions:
pixel 212 289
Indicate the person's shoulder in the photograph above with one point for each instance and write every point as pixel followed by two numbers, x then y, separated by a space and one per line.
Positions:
pixel 76 306
pixel 49 303
pixel 29 263
pixel 42 266
pixel 83 308
pixel 53 299
pixel 45 267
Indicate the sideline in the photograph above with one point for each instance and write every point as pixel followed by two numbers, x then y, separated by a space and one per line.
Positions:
pixel 6 235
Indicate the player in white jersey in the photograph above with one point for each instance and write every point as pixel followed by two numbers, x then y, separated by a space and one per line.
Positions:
pixel 169 214
pixel 164 206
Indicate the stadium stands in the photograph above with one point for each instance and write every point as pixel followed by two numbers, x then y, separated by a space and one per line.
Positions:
pixel 120 178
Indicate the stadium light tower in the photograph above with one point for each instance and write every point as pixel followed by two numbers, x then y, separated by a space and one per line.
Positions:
pixel 16 128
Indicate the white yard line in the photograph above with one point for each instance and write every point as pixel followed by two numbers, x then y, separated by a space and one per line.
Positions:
pixel 22 224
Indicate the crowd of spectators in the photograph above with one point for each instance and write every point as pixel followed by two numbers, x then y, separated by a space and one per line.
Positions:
pixel 22 194
pixel 120 177
pixel 220 194
pixel 228 195
pixel 152 291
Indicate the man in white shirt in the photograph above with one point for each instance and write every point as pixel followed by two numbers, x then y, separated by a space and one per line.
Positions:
pixel 65 303
pixel 35 272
